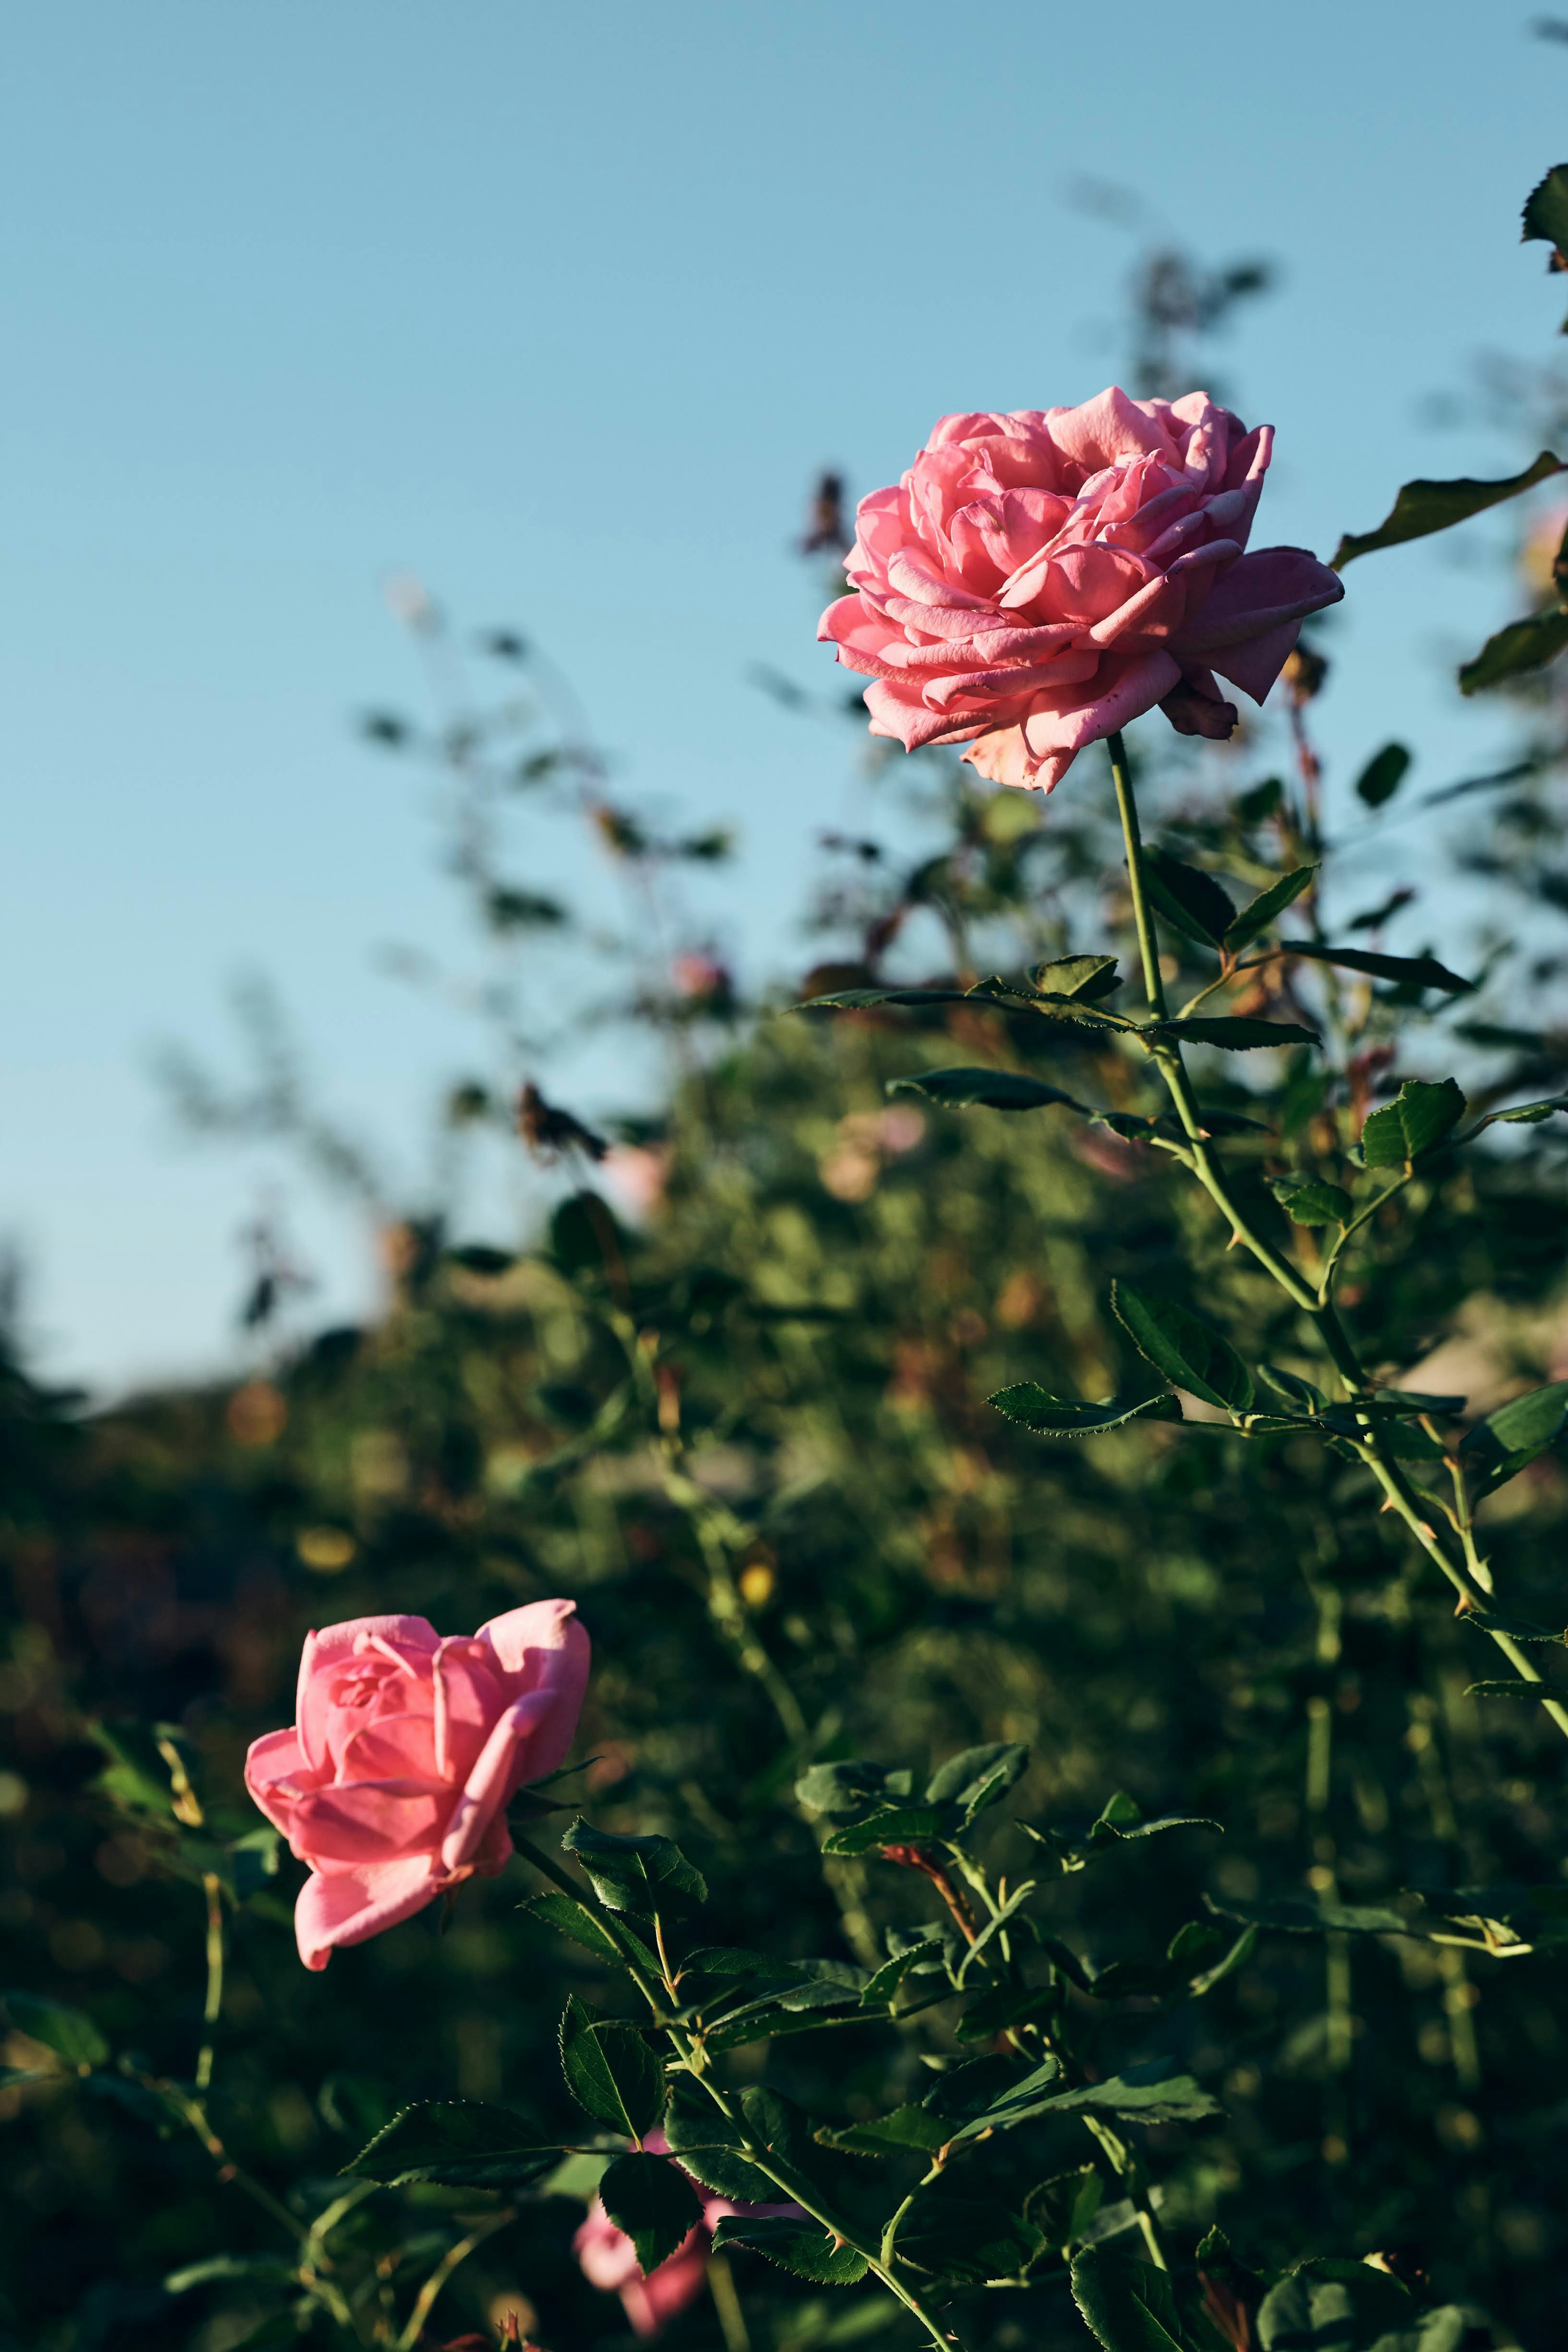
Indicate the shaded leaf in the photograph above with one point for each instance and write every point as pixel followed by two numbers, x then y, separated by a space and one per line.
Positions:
pixel 1142 2096
pixel 1189 1353
pixel 993 1090
pixel 798 2247
pixel 1420 1116
pixel 1522 646
pixel 1515 1687
pixel 1383 774
pixel 570 1917
pixel 461 2143
pixel 893 2135
pixel 634 1873
pixel 841 1790
pixel 966 2239
pixel 1545 215
pixel 1049 1416
pixel 611 2072
pixel 886 1980
pixel 651 2199
pixel 1235 1033
pixel 1514 1436
pixel 1191 901
pixel 1412 971
pixel 72 2037
pixel 1268 905
pixel 1331 2306
pixel 977 1777
pixel 708 2145
pixel 1310 1200
pixel 897 1825
pixel 860 1000
pixel 1005 2006
pixel 1128 2306
pixel 1423 506
pixel 1063 2206
pixel 1085 977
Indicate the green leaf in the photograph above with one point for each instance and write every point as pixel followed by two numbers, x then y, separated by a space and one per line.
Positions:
pixel 71 2036
pixel 1085 977
pixel 966 2239
pixel 1304 1915
pixel 1342 2304
pixel 885 1982
pixel 1235 1033
pixel 1529 1114
pixel 993 1090
pixel 843 1790
pixel 1522 1629
pixel 610 2072
pixel 862 1000
pixel 641 1874
pixel 977 1777
pixel 896 2134
pixel 896 1826
pixel 1545 216
pixel 1420 1116
pixel 1191 901
pixel 1309 1200
pixel 1514 1436
pixel 1004 2006
pixel 1142 2096
pixel 1074 1012
pixel 651 2199
pixel 967 2090
pixel 1268 905
pixel 274 2268
pixel 1522 646
pixel 1383 774
pixel 798 2247
pixel 1188 1352
pixel 1411 971
pixel 570 1917
pixel 1128 2306
pixel 458 2142
pixel 1050 1416
pixel 708 2145
pixel 1254 807
pixel 1423 506
pixel 1063 2206
pixel 1515 1688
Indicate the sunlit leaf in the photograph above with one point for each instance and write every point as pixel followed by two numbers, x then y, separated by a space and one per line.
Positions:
pixel 1256 917
pixel 1423 506
pixel 1420 1114
pixel 1190 1354
pixel 1049 1416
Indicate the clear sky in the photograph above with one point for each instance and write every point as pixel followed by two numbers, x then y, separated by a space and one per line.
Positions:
pixel 561 307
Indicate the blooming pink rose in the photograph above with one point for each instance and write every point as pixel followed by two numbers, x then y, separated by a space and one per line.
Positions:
pixel 406 1749
pixel 652 2298
pixel 1036 580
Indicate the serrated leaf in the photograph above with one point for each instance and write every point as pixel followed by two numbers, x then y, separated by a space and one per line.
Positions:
pixel 461 2143
pixel 1499 1621
pixel 640 1874
pixel 1304 1915
pixel 1508 1440
pixel 652 2201
pixel 1189 1353
pixel 1139 2096
pixel 1420 1114
pixel 1383 774
pixel 1346 2305
pixel 1050 1416
pixel 610 2072
pixel 1085 977
pixel 570 1917
pixel 1516 1688
pixel 1191 901
pixel 977 1776
pixel 1411 971
pixel 708 2145
pixel 991 1090
pixel 1234 1032
pixel 1267 908
pixel 1423 506
pixel 967 2239
pixel 1073 1011
pixel 861 999
pixel 1005 2006
pixel 907 2127
pixel 1529 1114
pixel 885 1983
pixel 1063 2206
pixel 1522 646
pixel 1291 1386
pixel 1545 215
pixel 896 1826
pixel 798 2247
pixel 1310 1199
pixel 967 2090
pixel 73 2038
pixel 1127 2305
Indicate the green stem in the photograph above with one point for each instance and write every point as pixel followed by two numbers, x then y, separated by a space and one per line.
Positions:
pixel 213 2006
pixel 443 2272
pixel 1318 1306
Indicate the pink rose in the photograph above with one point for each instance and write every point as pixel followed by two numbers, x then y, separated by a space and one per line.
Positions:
pixel 1036 580
pixel 406 1749
pixel 652 2298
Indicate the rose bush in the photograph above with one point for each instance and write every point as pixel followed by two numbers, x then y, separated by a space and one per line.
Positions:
pixel 406 1749
pixel 1039 579
pixel 651 2299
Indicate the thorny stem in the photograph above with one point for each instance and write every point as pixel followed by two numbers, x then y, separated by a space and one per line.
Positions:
pixel 1467 1574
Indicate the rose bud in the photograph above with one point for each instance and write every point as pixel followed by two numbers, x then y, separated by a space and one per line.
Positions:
pixel 407 1747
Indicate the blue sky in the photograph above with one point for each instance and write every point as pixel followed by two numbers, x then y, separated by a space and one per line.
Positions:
pixel 562 309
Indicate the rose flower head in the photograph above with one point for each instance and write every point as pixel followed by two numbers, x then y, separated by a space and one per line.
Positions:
pixel 1038 579
pixel 407 1747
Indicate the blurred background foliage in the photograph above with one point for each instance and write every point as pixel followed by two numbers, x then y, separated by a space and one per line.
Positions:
pixel 731 1398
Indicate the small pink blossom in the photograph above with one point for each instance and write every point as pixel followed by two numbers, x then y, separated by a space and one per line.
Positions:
pixel 651 2299
pixel 1038 579
pixel 407 1749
